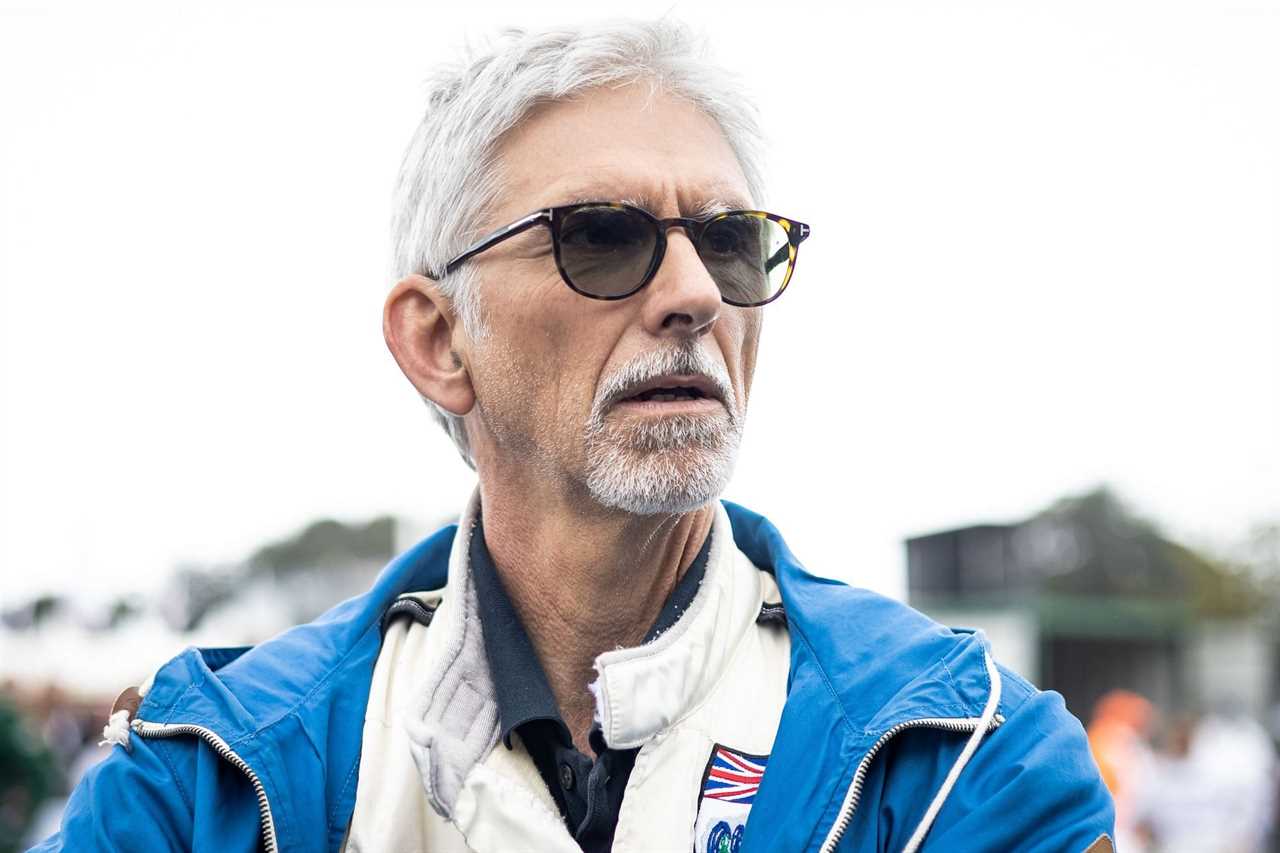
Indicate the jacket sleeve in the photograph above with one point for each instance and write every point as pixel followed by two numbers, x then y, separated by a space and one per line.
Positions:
pixel 130 801
pixel 160 795
pixel 1032 785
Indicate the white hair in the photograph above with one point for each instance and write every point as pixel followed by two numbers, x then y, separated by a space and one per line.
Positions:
pixel 448 180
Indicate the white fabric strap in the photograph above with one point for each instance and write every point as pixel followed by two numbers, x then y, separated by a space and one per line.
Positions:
pixel 116 731
pixel 988 714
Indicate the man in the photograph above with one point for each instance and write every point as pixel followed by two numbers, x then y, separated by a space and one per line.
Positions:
pixel 601 655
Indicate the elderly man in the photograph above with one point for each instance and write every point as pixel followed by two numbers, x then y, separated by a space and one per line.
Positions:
pixel 600 655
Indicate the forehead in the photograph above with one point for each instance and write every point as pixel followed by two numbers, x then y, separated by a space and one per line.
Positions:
pixel 627 143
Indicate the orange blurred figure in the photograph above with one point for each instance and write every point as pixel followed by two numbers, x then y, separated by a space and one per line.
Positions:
pixel 1118 733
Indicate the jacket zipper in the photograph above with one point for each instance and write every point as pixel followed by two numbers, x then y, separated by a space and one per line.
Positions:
pixel 854 793
pixel 164 730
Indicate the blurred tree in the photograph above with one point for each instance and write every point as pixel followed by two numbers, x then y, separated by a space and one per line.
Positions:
pixel 1262 552
pixel 193 591
pixel 122 610
pixel 322 545
pixel 1115 552
pixel 45 607
pixel 326 544
pixel 28 774
pixel 1219 588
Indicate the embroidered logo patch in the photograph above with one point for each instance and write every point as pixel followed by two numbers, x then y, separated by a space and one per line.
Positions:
pixel 729 786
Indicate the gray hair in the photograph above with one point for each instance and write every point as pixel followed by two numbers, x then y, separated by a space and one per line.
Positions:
pixel 448 181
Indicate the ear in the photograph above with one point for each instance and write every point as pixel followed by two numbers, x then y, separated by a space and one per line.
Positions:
pixel 418 323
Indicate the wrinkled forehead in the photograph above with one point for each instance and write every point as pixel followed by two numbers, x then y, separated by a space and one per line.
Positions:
pixel 655 150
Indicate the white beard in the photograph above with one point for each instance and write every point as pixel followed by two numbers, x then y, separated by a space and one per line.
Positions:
pixel 667 466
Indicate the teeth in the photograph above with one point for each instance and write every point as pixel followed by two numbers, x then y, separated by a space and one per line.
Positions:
pixel 666 395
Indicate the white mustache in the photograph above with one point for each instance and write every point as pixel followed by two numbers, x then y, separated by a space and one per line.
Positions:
pixel 687 361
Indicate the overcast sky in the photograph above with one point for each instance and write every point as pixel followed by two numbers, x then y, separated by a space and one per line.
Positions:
pixel 1044 256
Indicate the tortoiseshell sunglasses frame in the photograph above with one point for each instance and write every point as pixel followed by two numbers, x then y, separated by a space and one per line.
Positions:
pixel 553 217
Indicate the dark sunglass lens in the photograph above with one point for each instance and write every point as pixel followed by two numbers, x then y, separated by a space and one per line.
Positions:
pixel 606 251
pixel 748 255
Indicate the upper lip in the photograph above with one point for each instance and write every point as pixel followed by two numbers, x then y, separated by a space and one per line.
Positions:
pixel 673 380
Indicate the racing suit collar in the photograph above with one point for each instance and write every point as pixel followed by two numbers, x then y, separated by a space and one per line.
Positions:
pixel 644 690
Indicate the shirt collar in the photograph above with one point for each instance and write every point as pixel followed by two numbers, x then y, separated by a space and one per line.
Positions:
pixel 519 680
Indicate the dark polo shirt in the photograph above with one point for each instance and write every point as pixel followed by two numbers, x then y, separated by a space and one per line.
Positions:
pixel 587 790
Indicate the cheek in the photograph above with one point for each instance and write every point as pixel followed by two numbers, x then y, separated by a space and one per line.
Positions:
pixel 740 341
pixel 554 344
pixel 545 364
pixel 502 387
pixel 750 347
pixel 522 333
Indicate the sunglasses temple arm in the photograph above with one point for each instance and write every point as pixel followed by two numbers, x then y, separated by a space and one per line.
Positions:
pixel 485 243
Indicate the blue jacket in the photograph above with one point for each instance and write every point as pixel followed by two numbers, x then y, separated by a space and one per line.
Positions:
pixel 233 749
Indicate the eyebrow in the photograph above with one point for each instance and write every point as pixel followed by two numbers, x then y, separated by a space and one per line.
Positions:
pixel 709 206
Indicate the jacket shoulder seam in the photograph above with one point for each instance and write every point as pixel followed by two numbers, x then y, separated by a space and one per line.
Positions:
pixel 1025 688
pixel 796 630
pixel 166 712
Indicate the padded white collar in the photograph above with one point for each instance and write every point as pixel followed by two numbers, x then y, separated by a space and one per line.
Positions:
pixel 644 690
pixel 639 693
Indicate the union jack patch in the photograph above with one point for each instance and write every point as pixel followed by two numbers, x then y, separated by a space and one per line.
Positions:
pixel 733 776
pixel 729 786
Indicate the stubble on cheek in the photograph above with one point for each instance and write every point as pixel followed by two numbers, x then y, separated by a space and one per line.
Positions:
pixel 753 324
pixel 504 396
pixel 519 397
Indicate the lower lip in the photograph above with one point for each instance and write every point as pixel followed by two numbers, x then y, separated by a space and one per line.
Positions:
pixel 683 406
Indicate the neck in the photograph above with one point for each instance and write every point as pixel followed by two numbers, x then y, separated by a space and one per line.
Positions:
pixel 585 580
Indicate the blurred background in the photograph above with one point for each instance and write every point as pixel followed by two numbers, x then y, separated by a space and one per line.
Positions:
pixel 1027 376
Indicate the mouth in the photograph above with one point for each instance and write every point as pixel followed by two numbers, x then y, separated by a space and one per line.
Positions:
pixel 672 394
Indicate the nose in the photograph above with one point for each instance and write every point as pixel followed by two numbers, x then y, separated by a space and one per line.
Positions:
pixel 682 300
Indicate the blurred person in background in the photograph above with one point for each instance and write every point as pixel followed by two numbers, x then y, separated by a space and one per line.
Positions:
pixel 1118 737
pixel 601 654
pixel 1210 789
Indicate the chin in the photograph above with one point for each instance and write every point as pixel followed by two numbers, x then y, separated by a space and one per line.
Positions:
pixel 662 482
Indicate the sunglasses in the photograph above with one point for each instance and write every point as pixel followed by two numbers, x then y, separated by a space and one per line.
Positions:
pixel 610 250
